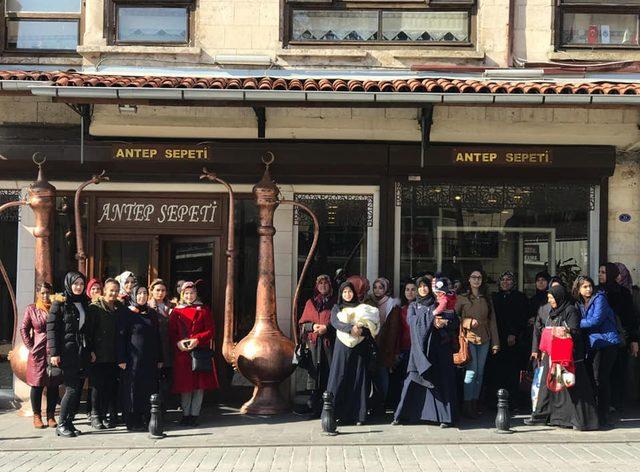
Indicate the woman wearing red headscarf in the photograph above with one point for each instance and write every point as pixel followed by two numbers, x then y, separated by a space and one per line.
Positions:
pixel 191 327
pixel 319 335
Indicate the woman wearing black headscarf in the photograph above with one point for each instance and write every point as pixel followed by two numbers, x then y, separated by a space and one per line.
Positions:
pixel 67 325
pixel 429 392
pixel 512 313
pixel 349 378
pixel 621 301
pixel 571 407
pixel 139 356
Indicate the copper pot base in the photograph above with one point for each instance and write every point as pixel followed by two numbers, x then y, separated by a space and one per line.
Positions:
pixel 266 400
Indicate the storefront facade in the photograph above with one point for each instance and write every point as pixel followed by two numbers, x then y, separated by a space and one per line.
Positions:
pixel 493 195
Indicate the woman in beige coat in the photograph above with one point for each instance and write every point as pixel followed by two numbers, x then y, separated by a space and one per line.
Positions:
pixel 481 331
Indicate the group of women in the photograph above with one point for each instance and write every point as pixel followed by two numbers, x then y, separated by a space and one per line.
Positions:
pixel 373 353
pixel 128 340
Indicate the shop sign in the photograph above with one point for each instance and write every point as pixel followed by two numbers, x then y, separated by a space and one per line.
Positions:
pixel 160 152
pixel 521 156
pixel 170 213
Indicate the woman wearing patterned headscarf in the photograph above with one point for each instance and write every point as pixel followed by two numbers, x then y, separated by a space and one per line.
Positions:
pixel 190 326
pixel 67 325
pixel 317 332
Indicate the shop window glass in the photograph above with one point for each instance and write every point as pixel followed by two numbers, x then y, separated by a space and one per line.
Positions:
pixel 342 246
pixel 153 25
pixel 457 228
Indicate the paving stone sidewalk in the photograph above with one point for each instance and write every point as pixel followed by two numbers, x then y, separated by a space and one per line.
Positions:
pixel 225 427
pixel 442 457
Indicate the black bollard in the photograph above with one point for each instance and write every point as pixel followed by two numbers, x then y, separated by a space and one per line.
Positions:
pixel 156 426
pixel 503 417
pixel 328 416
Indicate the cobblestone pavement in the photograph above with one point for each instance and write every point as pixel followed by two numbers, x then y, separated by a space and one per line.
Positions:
pixel 479 457
pixel 228 441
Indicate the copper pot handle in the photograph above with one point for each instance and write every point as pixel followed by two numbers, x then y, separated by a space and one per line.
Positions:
pixel 307 262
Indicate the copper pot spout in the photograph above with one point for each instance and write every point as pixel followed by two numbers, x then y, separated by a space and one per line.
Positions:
pixel 229 321
pixel 80 255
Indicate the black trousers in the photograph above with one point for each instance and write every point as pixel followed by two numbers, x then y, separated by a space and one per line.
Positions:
pixel 602 363
pixel 71 397
pixel 618 378
pixel 52 400
pixel 104 389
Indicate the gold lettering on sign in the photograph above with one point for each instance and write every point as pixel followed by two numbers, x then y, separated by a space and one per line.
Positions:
pixel 523 158
pixel 194 152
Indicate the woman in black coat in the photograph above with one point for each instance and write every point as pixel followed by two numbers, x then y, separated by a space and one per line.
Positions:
pixel 572 407
pixel 512 314
pixel 67 325
pixel 139 357
pixel 429 391
pixel 349 378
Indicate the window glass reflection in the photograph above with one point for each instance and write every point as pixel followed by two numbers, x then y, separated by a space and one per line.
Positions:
pixel 153 25
pixel 43 6
pixel 53 35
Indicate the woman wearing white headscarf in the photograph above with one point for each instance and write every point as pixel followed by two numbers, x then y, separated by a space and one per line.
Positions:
pixel 127 281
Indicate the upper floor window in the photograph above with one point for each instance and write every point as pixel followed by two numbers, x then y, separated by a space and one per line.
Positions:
pixel 151 22
pixel 42 25
pixel 446 22
pixel 598 24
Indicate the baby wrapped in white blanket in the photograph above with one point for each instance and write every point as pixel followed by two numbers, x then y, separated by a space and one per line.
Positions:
pixel 364 316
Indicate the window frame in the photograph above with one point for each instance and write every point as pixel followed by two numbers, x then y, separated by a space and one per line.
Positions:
pixel 289 6
pixel 607 7
pixel 111 20
pixel 39 16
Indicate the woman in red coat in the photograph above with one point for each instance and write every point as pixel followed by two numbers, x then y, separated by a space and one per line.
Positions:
pixel 190 326
pixel 34 336
pixel 319 335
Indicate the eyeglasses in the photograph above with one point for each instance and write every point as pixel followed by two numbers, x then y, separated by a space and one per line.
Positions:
pixel 476 277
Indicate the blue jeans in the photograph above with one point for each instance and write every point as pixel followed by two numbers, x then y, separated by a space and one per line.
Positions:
pixel 474 370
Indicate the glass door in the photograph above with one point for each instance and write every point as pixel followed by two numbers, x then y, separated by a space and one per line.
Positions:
pixel 117 253
pixel 524 251
pixel 191 259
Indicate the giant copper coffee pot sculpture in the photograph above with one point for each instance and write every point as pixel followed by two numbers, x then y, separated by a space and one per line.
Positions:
pixel 40 198
pixel 265 355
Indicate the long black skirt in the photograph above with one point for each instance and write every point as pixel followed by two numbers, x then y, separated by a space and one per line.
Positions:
pixel 349 381
pixel 573 407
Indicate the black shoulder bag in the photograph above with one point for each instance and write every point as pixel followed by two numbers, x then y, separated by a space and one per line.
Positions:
pixel 201 357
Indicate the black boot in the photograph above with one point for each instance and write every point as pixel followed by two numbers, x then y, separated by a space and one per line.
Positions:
pixel 96 421
pixel 64 431
pixel 185 421
pixel 193 421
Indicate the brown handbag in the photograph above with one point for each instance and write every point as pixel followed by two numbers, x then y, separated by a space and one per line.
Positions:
pixel 463 356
